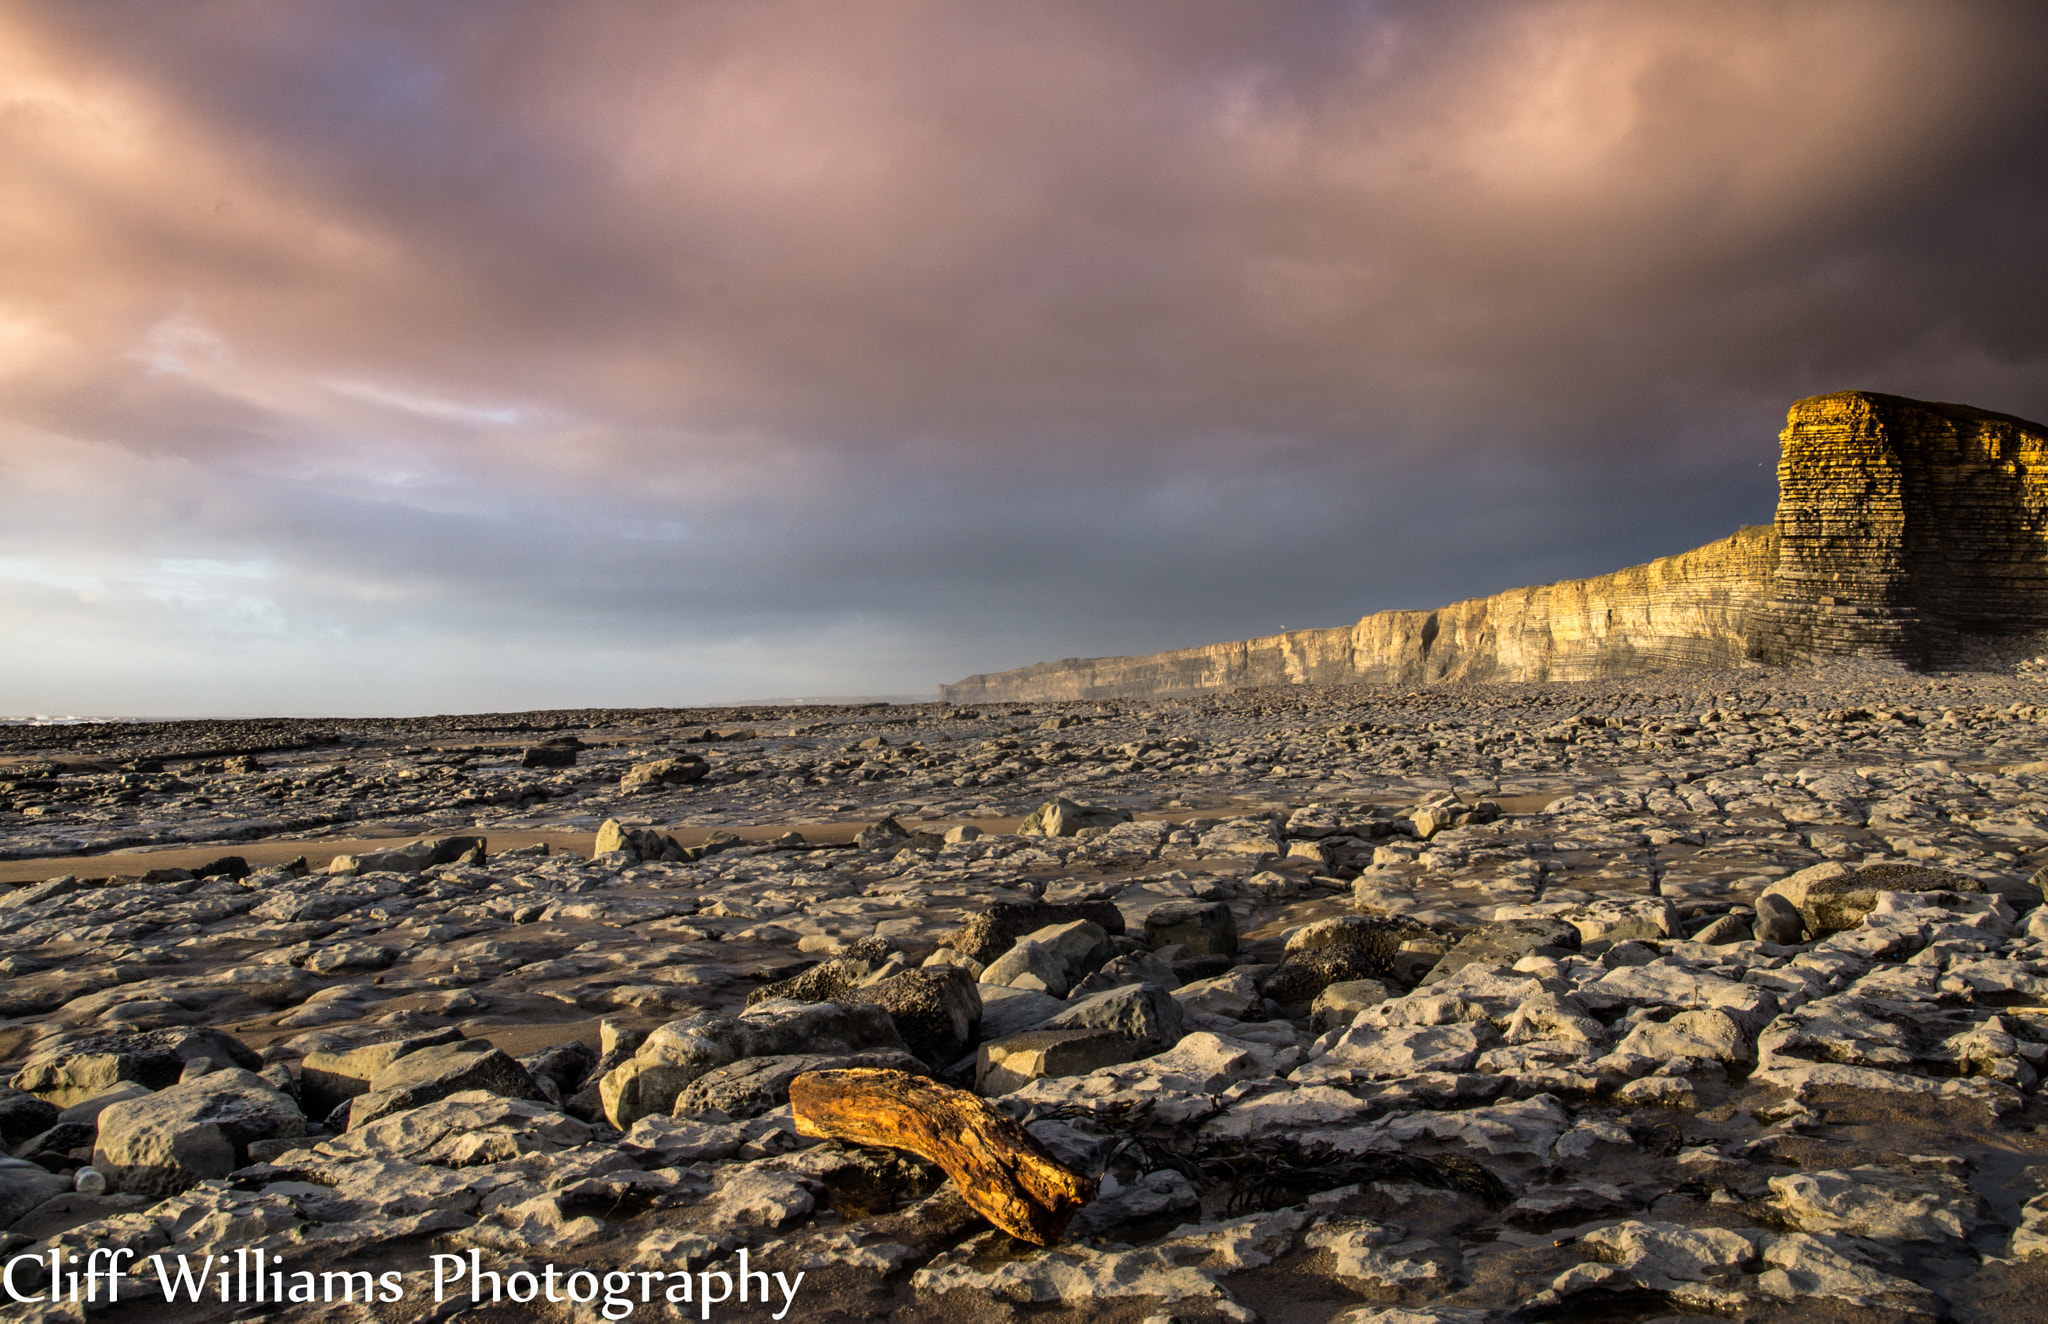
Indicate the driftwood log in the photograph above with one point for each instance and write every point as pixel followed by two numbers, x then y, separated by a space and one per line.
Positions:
pixel 1002 1171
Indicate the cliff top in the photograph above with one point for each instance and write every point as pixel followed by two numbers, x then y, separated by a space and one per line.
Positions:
pixel 1878 401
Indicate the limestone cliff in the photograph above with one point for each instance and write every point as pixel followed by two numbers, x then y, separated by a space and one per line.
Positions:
pixel 1902 526
pixel 1688 610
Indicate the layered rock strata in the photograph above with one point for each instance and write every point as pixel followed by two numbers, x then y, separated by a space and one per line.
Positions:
pixel 1902 524
pixel 1903 527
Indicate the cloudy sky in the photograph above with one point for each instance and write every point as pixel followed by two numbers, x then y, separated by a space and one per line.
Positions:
pixel 422 357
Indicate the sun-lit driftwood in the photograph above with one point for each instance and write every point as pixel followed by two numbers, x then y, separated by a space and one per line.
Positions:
pixel 1005 1174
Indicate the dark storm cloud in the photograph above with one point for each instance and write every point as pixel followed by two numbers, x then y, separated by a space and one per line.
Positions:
pixel 876 343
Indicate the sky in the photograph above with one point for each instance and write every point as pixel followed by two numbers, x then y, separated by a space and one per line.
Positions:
pixel 418 357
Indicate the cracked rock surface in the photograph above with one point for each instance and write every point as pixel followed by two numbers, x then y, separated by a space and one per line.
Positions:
pixel 1704 994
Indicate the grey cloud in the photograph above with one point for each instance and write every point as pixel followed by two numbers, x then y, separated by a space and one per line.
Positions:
pixel 973 335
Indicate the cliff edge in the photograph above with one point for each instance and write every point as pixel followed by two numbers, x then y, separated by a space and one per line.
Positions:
pixel 1904 527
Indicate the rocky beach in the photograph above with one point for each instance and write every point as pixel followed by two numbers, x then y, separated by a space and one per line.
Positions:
pixel 1706 994
pixel 1412 639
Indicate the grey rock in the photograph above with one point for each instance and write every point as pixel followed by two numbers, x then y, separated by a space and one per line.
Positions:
pixel 1145 1014
pixel 1153 1195
pixel 1054 958
pixel 1350 947
pixel 1725 930
pixel 1135 968
pixel 89 1110
pixel 184 1134
pixel 1028 965
pixel 639 844
pixel 828 980
pixel 565 1066
pixel 1235 995
pixel 437 1072
pixel 551 754
pixel 1205 928
pixel 681 770
pixel 1777 920
pixel 886 834
pixel 35 893
pixel 1709 1034
pixel 1010 1064
pixel 993 932
pixel 1878 1202
pixel 73 1072
pixel 1339 1004
pixel 1063 818
pixel 936 1009
pixel 1831 897
pixel 1505 942
pixel 24 1185
pixel 329 1079
pixel 23 1115
pixel 681 1051
pixel 410 858
pixel 756 1085
pixel 1008 1011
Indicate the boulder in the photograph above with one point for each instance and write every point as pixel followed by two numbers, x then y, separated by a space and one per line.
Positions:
pixel 1711 1034
pixel 1613 919
pixel 1205 928
pixel 1621 919
pixel 1010 1064
pixel 24 1185
pixel 557 753
pixel 937 1010
pixel 1879 1203
pixel 1242 836
pixel 829 980
pixel 681 770
pixel 436 1072
pixel 329 1079
pixel 76 1071
pixel 1350 947
pixel 53 1148
pixel 63 885
pixel 1131 968
pixel 1831 897
pixel 1054 958
pixel 640 844
pixel 1008 1011
pixel 564 1066
pixel 1234 995
pixel 23 1115
pixel 1778 921
pixel 1725 930
pixel 756 1085
pixel 612 838
pixel 88 1110
pixel 177 1137
pixel 342 956
pixel 411 857
pixel 1028 965
pixel 887 834
pixel 1505 942
pixel 993 932
pixel 1063 818
pixel 1145 1014
pixel 1339 1004
pixel 681 1051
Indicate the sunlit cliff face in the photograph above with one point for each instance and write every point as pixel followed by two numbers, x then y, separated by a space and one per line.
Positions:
pixel 391 358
